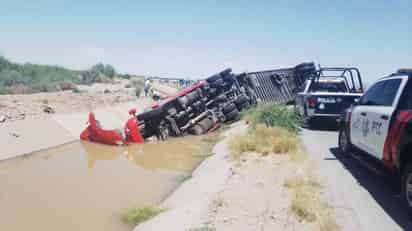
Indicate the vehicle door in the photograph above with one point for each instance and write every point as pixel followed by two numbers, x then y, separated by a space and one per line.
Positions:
pixel 380 115
pixel 359 123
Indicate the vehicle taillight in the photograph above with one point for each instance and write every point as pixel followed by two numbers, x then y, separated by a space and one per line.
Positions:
pixel 312 102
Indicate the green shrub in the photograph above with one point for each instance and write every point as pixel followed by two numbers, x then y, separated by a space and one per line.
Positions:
pixel 44 86
pixel 16 77
pixel 139 215
pixel 4 90
pixel 274 115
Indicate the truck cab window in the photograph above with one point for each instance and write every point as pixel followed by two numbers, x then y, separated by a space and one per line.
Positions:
pixel 328 87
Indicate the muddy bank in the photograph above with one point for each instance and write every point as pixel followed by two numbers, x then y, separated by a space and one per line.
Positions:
pixel 85 186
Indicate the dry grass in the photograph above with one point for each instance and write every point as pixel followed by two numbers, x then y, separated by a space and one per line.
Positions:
pixel 138 215
pixel 306 204
pixel 204 228
pixel 265 140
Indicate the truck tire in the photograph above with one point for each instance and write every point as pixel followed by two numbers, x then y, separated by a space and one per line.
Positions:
pixel 196 130
pixel 345 146
pixel 407 186
pixel 243 106
pixel 228 108
pixel 303 67
pixel 233 115
pixel 241 100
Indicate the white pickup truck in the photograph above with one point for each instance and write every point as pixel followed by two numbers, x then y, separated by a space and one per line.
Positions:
pixel 329 93
pixel 380 125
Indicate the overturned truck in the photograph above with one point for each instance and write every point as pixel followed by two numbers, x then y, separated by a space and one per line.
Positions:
pixel 218 99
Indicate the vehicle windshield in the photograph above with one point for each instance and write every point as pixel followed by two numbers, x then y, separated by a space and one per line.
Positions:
pixel 328 87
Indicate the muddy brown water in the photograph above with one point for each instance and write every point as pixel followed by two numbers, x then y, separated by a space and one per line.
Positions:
pixel 85 186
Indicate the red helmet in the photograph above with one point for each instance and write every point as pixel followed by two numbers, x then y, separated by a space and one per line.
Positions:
pixel 132 111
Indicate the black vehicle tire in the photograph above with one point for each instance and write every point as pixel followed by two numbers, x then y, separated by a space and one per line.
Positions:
pixel 244 106
pixel 241 100
pixel 303 67
pixel 345 145
pixel 196 130
pixel 213 78
pixel 407 186
pixel 232 116
pixel 228 108
pixel 193 96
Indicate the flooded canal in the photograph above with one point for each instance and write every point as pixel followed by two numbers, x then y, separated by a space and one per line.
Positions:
pixel 85 186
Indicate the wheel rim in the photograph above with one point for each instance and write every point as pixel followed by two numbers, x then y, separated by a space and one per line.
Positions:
pixel 343 141
pixel 408 189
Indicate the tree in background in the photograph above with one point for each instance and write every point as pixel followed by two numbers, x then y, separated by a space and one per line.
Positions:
pixel 109 71
pixel 43 78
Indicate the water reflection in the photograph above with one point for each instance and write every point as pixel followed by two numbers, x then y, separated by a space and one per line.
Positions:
pixel 174 154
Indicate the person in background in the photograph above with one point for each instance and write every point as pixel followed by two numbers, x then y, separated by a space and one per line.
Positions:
pixel 147 86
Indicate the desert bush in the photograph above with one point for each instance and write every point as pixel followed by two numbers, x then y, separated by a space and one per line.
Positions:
pixel 274 115
pixel 138 215
pixel 4 90
pixel 44 86
pixel 66 85
pixel 307 205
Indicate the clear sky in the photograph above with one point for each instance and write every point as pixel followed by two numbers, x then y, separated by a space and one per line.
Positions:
pixel 198 38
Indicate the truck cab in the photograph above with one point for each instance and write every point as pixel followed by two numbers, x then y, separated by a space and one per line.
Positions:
pixel 380 125
pixel 327 94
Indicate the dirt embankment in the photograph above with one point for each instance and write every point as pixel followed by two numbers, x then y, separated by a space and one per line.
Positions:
pixel 43 105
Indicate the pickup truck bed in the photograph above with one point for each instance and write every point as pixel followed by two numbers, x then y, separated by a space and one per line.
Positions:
pixel 326 97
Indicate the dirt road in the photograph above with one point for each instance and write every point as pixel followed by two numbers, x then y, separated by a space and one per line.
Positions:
pixel 365 197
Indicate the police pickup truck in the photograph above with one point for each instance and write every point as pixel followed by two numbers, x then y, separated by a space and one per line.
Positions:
pixel 380 124
pixel 328 93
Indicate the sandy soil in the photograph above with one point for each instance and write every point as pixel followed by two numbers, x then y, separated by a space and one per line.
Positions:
pixel 254 197
pixel 224 194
